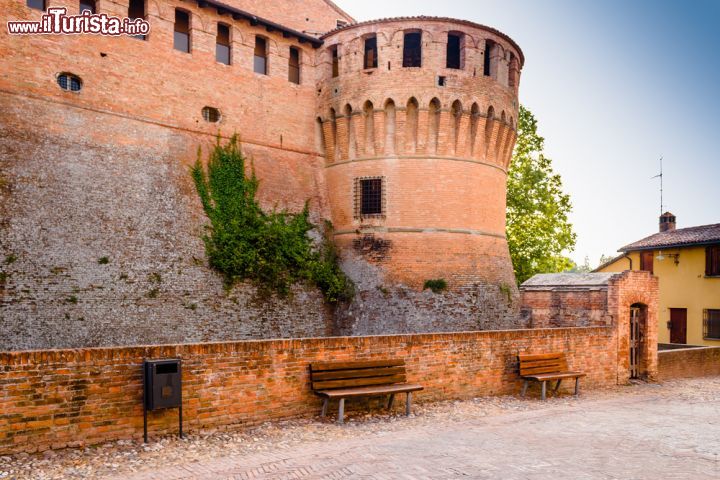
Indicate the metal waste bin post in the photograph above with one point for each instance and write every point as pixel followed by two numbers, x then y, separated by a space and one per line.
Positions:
pixel 162 388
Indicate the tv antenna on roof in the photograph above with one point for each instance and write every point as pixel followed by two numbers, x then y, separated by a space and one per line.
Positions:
pixel 661 185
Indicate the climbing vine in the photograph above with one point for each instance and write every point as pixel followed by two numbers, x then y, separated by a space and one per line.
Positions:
pixel 243 242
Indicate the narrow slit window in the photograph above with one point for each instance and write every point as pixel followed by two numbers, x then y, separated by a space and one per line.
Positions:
pixel 136 9
pixel 371 58
pixel 181 38
pixel 412 49
pixel 335 61
pixel 370 196
pixel 294 66
pixel 222 44
pixel 36 4
pixel 454 51
pixel 260 56
pixel 88 5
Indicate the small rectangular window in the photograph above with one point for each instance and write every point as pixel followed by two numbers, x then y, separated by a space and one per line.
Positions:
pixel 712 261
pixel 412 49
pixel 260 56
pixel 454 54
pixel 369 197
pixel 222 44
pixel 646 261
pixel 335 61
pixel 88 5
pixel 711 324
pixel 181 39
pixel 136 9
pixel 371 53
pixel 294 66
pixel 36 4
pixel 340 23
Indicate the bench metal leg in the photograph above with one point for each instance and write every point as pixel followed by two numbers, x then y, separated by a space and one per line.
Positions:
pixel 577 386
pixel 341 411
pixel 324 407
pixel 524 389
pixel 544 389
pixel 390 401
pixel 407 404
pixel 557 386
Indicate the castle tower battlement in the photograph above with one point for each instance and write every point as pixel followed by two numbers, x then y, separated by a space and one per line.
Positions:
pixel 422 113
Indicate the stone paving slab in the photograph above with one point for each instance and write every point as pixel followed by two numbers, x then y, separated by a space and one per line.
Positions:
pixel 648 436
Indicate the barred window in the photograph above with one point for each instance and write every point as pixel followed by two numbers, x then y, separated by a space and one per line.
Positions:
pixel 369 197
pixel 69 82
pixel 211 114
pixel 711 324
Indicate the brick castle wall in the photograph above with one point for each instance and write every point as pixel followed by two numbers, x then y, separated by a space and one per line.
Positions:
pixel 103 173
pixel 59 398
pixel 559 307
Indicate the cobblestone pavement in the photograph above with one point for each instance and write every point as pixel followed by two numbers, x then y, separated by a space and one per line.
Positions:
pixel 669 431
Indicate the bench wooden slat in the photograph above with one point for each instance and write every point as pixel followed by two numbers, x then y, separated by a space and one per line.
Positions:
pixel 555 376
pixel 325 366
pixel 534 371
pixel 358 382
pixel 359 392
pixel 362 373
pixel 540 356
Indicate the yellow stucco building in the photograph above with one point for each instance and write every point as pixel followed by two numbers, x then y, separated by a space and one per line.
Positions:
pixel 687 262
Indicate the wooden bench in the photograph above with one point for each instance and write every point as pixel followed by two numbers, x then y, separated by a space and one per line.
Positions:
pixel 343 380
pixel 544 368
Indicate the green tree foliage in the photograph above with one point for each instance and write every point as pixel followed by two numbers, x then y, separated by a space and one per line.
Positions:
pixel 538 229
pixel 244 242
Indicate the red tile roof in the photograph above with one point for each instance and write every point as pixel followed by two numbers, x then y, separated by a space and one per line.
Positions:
pixel 682 237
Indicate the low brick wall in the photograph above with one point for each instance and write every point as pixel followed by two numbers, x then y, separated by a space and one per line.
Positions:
pixel 688 363
pixel 58 398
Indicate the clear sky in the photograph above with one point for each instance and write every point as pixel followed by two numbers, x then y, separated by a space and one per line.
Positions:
pixel 614 85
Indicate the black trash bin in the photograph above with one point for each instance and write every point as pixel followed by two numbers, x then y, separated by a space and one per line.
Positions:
pixel 162 386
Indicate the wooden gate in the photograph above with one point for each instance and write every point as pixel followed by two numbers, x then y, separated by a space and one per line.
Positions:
pixel 635 317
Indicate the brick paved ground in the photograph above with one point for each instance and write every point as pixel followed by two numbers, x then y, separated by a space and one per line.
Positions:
pixel 636 436
pixel 669 431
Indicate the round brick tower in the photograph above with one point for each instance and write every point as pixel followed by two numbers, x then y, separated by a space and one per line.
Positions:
pixel 418 120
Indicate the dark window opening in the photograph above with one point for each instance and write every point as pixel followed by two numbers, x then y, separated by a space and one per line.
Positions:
pixel 371 53
pixel 69 82
pixel 711 324
pixel 412 50
pixel 136 9
pixel 36 4
pixel 489 47
pixel 88 5
pixel 294 66
pixel 371 196
pixel 335 61
pixel 454 55
pixel 712 261
pixel 340 23
pixel 441 81
pixel 646 261
pixel 181 38
pixel 222 44
pixel 211 114
pixel 260 56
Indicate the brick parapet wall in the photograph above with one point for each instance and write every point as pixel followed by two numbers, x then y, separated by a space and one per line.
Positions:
pixel 566 307
pixel 688 363
pixel 58 398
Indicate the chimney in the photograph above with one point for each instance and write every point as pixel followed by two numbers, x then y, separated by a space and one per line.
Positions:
pixel 667 222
